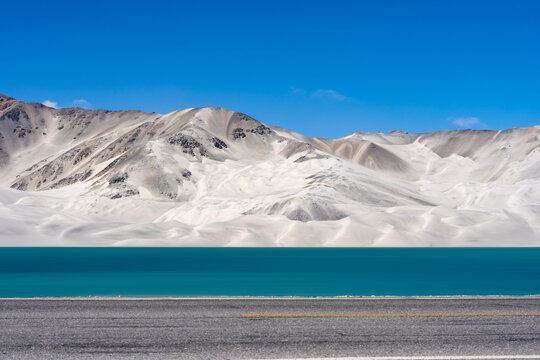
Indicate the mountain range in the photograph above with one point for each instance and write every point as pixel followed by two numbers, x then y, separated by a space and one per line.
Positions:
pixel 213 177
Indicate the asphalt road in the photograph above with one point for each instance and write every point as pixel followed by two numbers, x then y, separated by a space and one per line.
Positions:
pixel 220 329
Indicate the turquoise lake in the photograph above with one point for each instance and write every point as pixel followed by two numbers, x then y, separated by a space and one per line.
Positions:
pixel 37 272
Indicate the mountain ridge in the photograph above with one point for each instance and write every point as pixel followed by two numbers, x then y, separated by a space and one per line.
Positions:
pixel 214 177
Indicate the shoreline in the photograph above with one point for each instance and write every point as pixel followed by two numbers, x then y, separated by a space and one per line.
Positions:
pixel 278 298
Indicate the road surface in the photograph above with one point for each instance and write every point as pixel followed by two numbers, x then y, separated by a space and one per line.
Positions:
pixel 408 328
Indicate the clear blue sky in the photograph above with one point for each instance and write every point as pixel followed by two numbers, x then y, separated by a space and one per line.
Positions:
pixel 321 68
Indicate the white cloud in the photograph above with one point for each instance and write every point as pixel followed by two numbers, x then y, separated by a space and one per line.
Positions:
pixel 82 103
pixel 297 90
pixel 328 94
pixel 51 104
pixel 468 122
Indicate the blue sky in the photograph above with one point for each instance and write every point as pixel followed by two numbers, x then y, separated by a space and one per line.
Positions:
pixel 323 68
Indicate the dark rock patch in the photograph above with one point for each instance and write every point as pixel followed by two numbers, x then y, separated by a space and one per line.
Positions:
pixel 218 143
pixel 188 144
pixel 82 155
pixel 16 114
pixel 261 130
pixel 71 179
pixel 118 179
pixel 21 132
pixel 20 185
pixel 169 195
pixel 186 173
pixel 125 193
pixel 238 133
pixel 5 98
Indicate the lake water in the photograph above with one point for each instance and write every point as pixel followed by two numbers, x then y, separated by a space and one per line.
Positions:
pixel 36 272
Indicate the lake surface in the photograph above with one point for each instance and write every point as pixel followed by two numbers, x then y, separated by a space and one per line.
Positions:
pixel 36 272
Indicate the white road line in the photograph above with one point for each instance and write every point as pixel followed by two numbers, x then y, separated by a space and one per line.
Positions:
pixel 466 357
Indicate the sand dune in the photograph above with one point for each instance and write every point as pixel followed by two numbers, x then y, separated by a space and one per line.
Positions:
pixel 214 177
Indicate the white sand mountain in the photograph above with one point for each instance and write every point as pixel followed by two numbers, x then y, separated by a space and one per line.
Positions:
pixel 213 177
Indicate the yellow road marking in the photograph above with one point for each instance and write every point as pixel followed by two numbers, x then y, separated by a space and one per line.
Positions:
pixel 375 315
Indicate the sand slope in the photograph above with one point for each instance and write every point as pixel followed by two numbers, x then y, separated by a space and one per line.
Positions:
pixel 214 177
